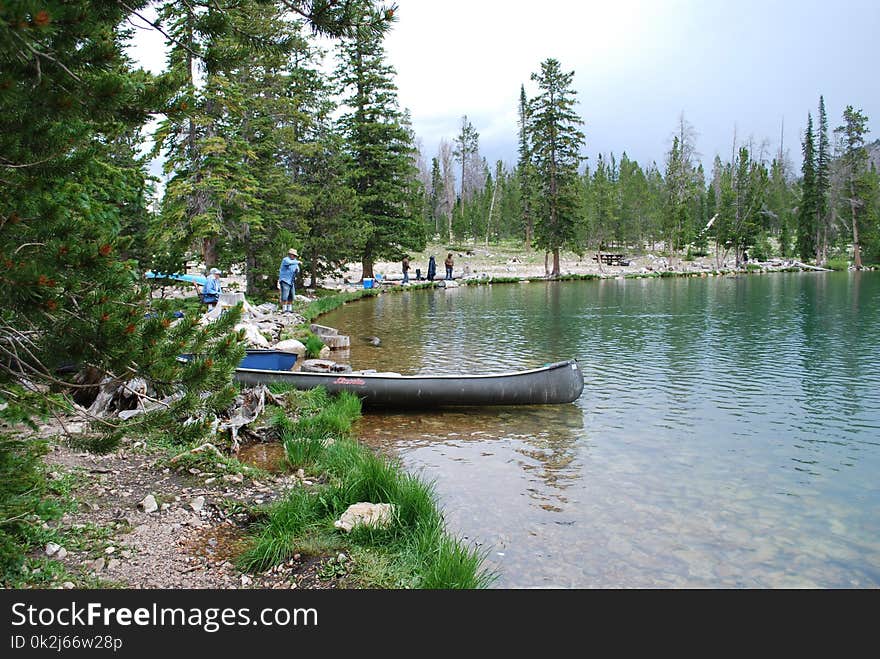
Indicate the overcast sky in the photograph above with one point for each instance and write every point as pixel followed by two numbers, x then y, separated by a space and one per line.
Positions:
pixel 746 66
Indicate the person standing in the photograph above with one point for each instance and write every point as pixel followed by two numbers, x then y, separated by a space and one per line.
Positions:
pixel 286 278
pixel 449 264
pixel 405 266
pixel 212 289
pixel 432 268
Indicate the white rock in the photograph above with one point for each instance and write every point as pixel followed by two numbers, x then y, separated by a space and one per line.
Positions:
pixel 291 345
pixel 149 505
pixel 52 549
pixel 252 335
pixel 68 585
pixel 197 504
pixel 62 554
pixel 367 514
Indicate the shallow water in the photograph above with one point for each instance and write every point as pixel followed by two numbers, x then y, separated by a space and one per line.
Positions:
pixel 728 434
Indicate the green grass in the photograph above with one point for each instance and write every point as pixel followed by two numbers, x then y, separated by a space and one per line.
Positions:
pixel 313 345
pixel 837 264
pixel 330 302
pixel 414 551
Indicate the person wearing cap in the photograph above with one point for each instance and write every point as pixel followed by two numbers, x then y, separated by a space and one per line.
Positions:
pixel 212 289
pixel 286 277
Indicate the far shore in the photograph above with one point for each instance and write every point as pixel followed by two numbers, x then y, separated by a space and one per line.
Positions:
pixel 504 261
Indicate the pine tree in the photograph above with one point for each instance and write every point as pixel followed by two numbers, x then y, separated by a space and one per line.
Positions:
pixel 823 184
pixel 438 194
pixel 525 170
pixel 805 236
pixel 69 98
pixel 380 167
pixel 556 143
pixel 855 167
pixel 68 95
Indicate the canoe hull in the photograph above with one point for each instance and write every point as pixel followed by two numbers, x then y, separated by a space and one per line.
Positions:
pixel 562 382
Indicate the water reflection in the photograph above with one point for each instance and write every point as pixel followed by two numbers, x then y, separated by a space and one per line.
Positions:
pixel 540 440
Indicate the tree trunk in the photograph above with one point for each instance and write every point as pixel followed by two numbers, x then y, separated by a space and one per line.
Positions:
pixel 857 250
pixel 491 210
pixel 367 268
pixel 314 269
pixel 556 262
pixel 209 251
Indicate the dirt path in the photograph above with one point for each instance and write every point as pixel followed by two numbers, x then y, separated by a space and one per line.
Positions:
pixel 189 541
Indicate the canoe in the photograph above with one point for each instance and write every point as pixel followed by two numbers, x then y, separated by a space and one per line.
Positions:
pixel 561 382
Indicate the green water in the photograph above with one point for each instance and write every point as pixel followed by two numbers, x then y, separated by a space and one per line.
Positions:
pixel 728 435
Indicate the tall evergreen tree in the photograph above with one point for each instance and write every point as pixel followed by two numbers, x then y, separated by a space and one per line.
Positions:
pixel 806 219
pixel 556 144
pixel 526 170
pixel 438 194
pixel 380 166
pixel 855 167
pixel 823 184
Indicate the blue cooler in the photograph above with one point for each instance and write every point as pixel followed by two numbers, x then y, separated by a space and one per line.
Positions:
pixel 368 283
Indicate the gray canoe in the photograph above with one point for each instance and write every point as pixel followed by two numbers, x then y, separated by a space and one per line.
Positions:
pixel 561 382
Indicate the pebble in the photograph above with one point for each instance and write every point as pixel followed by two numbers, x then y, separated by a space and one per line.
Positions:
pixel 148 504
pixel 52 549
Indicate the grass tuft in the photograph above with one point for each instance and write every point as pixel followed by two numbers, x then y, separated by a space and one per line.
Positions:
pixel 413 551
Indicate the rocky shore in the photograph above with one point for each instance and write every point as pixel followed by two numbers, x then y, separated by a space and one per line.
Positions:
pixel 139 522
pixel 481 262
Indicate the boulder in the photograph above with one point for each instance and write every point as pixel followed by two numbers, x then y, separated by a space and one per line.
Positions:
pixel 336 341
pixel 252 335
pixel 291 345
pixel 365 514
pixel 323 330
pixel 324 366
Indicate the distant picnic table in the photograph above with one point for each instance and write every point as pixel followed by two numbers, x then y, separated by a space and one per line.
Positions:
pixel 612 259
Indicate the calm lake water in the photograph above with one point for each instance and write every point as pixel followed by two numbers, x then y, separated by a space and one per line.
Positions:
pixel 728 435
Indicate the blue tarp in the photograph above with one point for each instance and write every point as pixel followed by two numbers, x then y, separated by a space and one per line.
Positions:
pixel 193 279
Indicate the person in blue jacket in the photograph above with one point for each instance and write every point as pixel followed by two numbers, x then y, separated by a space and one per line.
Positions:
pixel 286 277
pixel 212 289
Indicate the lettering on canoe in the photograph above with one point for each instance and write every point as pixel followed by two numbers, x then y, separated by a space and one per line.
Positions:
pixel 344 380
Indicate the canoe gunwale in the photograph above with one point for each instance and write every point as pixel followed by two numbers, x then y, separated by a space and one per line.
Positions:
pixel 556 383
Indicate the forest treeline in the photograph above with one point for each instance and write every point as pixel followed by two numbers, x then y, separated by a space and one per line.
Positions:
pixel 754 202
pixel 265 148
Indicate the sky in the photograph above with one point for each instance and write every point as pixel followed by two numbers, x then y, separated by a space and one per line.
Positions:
pixel 746 69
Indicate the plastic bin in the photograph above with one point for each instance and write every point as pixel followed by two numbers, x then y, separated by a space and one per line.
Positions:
pixel 368 282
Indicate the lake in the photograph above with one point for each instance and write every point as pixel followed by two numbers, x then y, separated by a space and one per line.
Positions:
pixel 728 435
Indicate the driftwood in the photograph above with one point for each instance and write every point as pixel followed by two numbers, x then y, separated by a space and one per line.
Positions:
pixel 810 267
pixel 252 406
